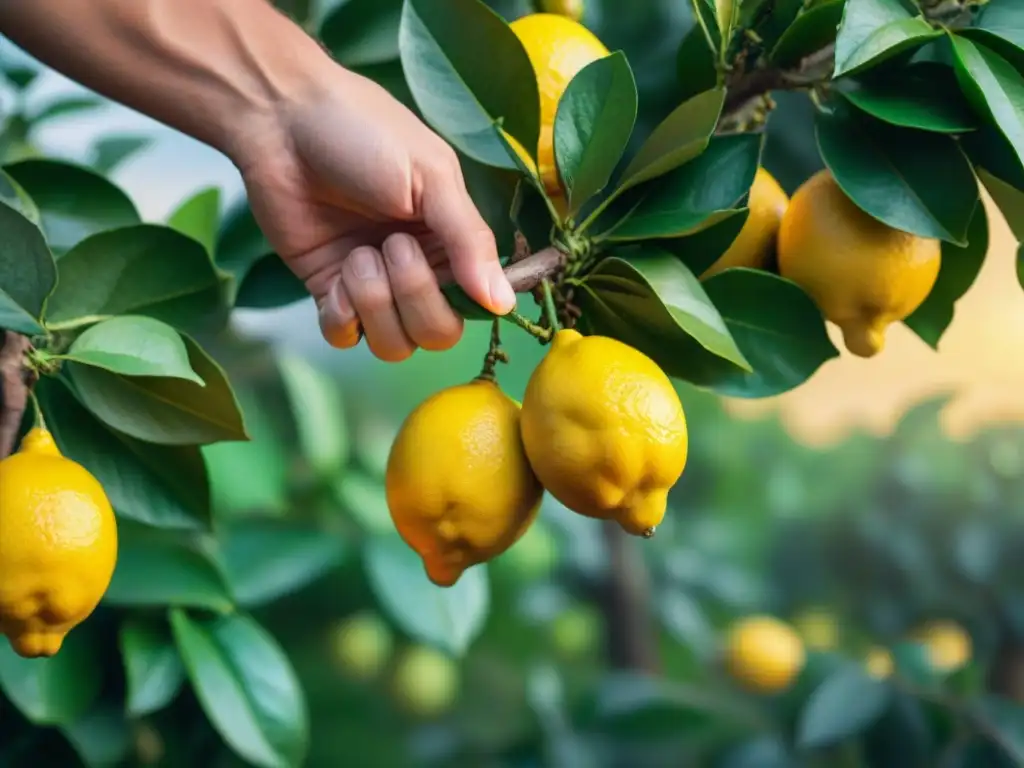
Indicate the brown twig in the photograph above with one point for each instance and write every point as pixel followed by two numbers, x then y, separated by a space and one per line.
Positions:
pixel 626 605
pixel 528 273
pixel 14 388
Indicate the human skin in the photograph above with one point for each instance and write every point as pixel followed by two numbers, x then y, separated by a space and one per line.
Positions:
pixel 363 201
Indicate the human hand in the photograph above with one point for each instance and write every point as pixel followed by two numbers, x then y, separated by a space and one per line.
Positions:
pixel 369 208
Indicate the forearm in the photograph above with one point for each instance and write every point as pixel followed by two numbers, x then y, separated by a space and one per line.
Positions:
pixel 218 70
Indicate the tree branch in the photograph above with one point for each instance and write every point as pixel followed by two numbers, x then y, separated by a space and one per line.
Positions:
pixel 626 605
pixel 14 388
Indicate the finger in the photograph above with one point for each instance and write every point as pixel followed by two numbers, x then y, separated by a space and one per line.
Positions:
pixel 427 317
pixel 366 282
pixel 450 213
pixel 338 321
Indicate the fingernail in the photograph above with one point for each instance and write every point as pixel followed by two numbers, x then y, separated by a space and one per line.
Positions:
pixel 399 251
pixel 503 298
pixel 364 263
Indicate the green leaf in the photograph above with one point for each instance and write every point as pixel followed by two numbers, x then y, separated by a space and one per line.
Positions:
pixel 21 77
pixel 362 32
pixel 58 690
pixel 158 568
pixel 448 618
pixel 1003 718
pixel 146 269
pixel 994 87
pixel 725 16
pixel 162 486
pixel 64 106
pixel 466 70
pixel 152 666
pixel 960 267
pixel 133 346
pixel 28 273
pixel 464 305
pixel 844 705
pixel 679 138
pixel 1008 199
pixel 240 242
pixel 915 181
pixel 75 202
pixel 12 193
pixel 163 410
pixel 592 126
pixel 364 499
pixel 655 304
pixel 493 191
pixel 319 413
pixel 696 196
pixel 873 31
pixel 110 151
pixel 1004 19
pixel 265 560
pixel 102 738
pixel 246 686
pixel 702 249
pixel 199 217
pixel 776 326
pixel 812 30
pixel 695 64
pixel 270 284
pixel 924 95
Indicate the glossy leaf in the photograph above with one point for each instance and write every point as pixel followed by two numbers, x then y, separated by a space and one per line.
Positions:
pixel 319 413
pixel 264 560
pixel 776 326
pixel 28 273
pixel 702 249
pixel 110 151
pixel 843 706
pixel 698 195
pixel 695 64
pixel 1009 200
pixel 593 125
pixel 198 217
pixel 467 69
pixel 134 346
pixel 246 686
pixel 163 410
pixel 162 486
pixel 924 95
pixel 362 32
pixel 269 284
pixel 915 181
pixel 64 106
pixel 464 305
pixel 1004 19
pixel 679 138
pixel 493 192
pixel 152 666
pixel 448 618
pixel 812 30
pixel 240 242
pixel 75 202
pixel 960 267
pixel 873 31
pixel 159 568
pixel 12 193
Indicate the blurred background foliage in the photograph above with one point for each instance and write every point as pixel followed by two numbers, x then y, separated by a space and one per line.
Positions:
pixel 865 548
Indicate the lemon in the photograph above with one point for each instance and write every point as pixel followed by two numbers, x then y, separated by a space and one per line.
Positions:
pixel 58 545
pixel 604 430
pixel 425 682
pixel 948 646
pixel 753 245
pixel 362 645
pixel 459 487
pixel 863 274
pixel 558 48
pixel 764 654
pixel 576 631
pixel 572 9
pixel 878 663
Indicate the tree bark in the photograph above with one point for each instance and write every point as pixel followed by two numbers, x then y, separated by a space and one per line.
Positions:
pixel 632 639
pixel 14 388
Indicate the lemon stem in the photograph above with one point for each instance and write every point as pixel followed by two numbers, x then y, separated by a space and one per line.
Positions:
pixel 37 411
pixel 549 305
pixel 495 354
pixel 544 334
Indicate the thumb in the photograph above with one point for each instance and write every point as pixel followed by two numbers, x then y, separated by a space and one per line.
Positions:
pixel 449 212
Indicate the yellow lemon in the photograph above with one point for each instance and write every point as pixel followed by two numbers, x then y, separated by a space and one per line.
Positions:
pixel 604 430
pixel 878 663
pixel 818 628
pixel 572 9
pixel 425 682
pixel 558 48
pixel 949 647
pixel 764 654
pixel 752 246
pixel 459 486
pixel 863 274
pixel 58 545
pixel 362 645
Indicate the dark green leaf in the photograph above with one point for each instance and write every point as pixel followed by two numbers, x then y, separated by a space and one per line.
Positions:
pixel 1006 721
pixel 66 106
pixel 679 138
pixel 163 410
pixel 264 560
pixel 28 273
pixel 994 87
pixel 75 202
pixel 923 95
pixel 777 327
pixel 1009 199
pixel 464 305
pixel 762 752
pixel 844 705
pixel 158 568
pixel 12 193
pixel 702 249
pixel 145 269
pixel 960 266
pixel 493 191
pixel 199 217
pixel 21 77
pixel 592 127
pixel 695 64
pixel 777 17
pixel 240 242
pixel 152 666
pixel 658 306
pixel 268 284
pixel 58 690
pixel 873 31
pixel 102 738
pixel 811 31
pixel 696 196
pixel 531 215
pixel 915 181
pixel 362 32
pixel 449 618
pixel 162 486
pixel 319 413
pixel 247 688
pixel 110 151
pixel 1003 18
pixel 467 69
pixel 133 346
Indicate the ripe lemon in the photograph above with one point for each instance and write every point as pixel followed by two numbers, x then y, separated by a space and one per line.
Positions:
pixel 764 654
pixel 58 545
pixel 458 483
pixel 863 274
pixel 604 430
pixel 558 48
pixel 949 647
pixel 572 9
pixel 752 246
pixel 878 663
pixel 425 682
